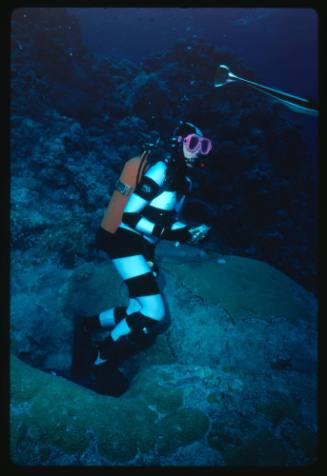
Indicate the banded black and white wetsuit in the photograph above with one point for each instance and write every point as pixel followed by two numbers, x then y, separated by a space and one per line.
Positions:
pixel 151 214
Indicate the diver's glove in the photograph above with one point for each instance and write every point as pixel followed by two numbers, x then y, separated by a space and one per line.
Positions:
pixel 192 235
pixel 182 235
pixel 198 233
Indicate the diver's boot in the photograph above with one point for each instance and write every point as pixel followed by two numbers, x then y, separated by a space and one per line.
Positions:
pixel 112 353
pixel 109 380
pixel 116 351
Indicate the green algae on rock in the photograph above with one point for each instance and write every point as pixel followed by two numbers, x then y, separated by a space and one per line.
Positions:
pixel 180 428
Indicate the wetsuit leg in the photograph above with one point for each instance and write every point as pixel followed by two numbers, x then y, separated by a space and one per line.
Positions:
pixel 146 307
pixel 134 326
pixel 139 326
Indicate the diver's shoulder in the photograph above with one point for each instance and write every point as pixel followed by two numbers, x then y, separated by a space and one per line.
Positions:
pixel 159 165
pixel 157 171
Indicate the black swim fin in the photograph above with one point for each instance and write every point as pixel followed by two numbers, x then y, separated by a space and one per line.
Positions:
pixel 104 378
pixel 109 380
pixel 84 352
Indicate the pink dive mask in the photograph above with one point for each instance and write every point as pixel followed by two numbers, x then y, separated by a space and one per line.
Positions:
pixel 194 143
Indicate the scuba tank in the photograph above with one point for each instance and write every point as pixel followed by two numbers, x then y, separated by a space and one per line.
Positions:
pixel 130 177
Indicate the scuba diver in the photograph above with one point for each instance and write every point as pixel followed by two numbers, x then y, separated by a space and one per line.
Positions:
pixel 138 216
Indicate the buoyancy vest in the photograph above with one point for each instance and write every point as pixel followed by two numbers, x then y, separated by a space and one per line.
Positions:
pixel 131 175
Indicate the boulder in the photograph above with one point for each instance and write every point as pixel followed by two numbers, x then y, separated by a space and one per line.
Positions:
pixel 231 381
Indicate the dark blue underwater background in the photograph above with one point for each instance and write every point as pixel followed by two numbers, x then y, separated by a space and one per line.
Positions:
pixel 279 44
pixel 123 72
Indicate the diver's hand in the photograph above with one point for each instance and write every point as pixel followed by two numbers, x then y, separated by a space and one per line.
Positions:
pixel 181 235
pixel 198 233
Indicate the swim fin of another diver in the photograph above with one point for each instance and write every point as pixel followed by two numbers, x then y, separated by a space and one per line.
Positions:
pixel 305 106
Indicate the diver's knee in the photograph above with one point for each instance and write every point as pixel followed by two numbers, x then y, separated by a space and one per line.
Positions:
pixel 133 306
pixel 153 307
pixel 159 310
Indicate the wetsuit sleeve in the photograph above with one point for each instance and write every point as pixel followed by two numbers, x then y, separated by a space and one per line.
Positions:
pixel 145 191
pixel 178 231
pixel 148 189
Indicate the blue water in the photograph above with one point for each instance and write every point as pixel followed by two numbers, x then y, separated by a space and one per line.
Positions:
pixel 279 44
pixel 55 79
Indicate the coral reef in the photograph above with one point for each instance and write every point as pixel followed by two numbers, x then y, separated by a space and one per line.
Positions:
pixel 231 381
pixel 77 118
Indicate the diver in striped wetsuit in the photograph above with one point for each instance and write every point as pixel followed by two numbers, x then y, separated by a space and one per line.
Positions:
pixel 151 214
